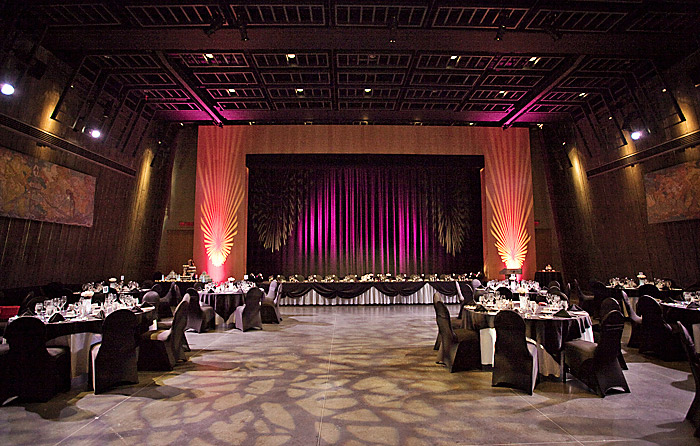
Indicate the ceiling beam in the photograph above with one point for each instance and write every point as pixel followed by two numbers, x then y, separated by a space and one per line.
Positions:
pixel 627 45
pixel 179 77
pixel 537 93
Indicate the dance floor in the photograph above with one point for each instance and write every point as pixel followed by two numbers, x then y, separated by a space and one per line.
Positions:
pixel 352 376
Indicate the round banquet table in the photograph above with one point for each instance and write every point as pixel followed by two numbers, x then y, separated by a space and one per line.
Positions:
pixel 224 303
pixel 689 317
pixel 80 335
pixel 549 332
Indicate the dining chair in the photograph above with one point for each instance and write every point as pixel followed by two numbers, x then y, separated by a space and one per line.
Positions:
pixel 162 349
pixel 649 289
pixel 247 316
pixel 610 304
pixel 455 321
pixel 515 362
pixel 635 339
pixel 554 283
pixel 596 364
pixel 600 293
pixel 200 317
pixel 693 414
pixel 269 308
pixel 166 302
pixel 657 336
pixel 33 371
pixel 459 348
pixel 505 292
pixel 559 293
pixel 114 360
pixel 476 283
pixel 585 301
pixel 466 296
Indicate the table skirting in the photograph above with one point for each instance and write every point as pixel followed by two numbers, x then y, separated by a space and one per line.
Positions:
pixel 366 293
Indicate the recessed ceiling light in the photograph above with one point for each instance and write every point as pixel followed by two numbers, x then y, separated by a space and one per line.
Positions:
pixel 636 135
pixel 583 95
pixel 231 90
pixel 209 55
pixel 291 56
pixel 300 90
pixel 368 90
pixel 453 57
pixel 95 133
pixel 7 89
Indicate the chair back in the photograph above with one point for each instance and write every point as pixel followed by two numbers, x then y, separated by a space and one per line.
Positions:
pixel 466 292
pixel 176 296
pixel 194 306
pixel 31 304
pixel 272 291
pixel 252 300
pixel 152 298
pixel 510 334
pixel 650 311
pixel 554 283
pixel 26 335
pixel 505 292
pixel 478 293
pixel 628 306
pixel 158 288
pixel 179 323
pixel 557 292
pixel 476 283
pixel 611 327
pixel 649 290
pixel 609 304
pixel 119 332
pixel 689 347
pixel 442 316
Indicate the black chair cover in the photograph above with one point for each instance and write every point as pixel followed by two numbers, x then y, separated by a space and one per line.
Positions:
pixel 199 317
pixel 657 336
pixel 269 309
pixel 459 349
pixel 161 349
pixel 248 316
pixel 515 360
pixel 115 359
pixel 33 372
pixel 597 365
pixel 693 414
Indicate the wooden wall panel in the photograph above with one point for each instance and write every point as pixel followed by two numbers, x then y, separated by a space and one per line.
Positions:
pixel 128 211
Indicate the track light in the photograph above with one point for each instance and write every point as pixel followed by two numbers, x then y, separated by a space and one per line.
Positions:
pixel 217 22
pixel 7 89
pixel 500 33
pixel 393 27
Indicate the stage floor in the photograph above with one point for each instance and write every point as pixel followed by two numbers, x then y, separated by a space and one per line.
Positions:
pixel 352 375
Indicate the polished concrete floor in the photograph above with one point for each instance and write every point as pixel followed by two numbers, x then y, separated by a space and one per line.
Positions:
pixel 352 376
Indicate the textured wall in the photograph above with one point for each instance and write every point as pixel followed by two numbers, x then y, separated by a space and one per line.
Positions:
pixel 128 209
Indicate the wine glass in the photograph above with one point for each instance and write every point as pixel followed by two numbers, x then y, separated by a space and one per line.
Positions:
pixel 39 308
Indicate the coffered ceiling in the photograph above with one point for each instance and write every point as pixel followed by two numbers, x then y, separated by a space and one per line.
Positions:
pixel 364 62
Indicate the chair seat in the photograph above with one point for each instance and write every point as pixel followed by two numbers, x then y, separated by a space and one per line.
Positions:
pixel 156 335
pixel 579 351
pixel 464 334
pixel 55 352
pixel 165 324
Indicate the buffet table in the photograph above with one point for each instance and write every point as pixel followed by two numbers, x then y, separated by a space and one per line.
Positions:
pixel 366 293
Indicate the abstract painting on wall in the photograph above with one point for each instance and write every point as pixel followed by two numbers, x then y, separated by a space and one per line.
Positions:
pixel 673 194
pixel 39 190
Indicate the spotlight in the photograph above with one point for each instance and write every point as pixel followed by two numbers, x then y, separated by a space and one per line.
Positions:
pixel 217 22
pixel 636 135
pixel 368 90
pixel 243 30
pixel 209 55
pixel 500 33
pixel 95 133
pixel 231 90
pixel 7 89
pixel 291 56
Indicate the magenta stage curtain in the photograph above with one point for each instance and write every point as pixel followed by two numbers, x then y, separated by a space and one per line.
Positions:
pixel 366 218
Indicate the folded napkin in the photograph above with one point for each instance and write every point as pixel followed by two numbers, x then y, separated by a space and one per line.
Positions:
pixel 562 313
pixel 146 305
pixel 57 317
pixel 136 310
pixel 480 308
pixel 575 307
pixel 693 306
pixel 100 314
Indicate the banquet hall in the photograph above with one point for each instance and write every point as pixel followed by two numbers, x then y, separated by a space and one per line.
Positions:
pixel 315 217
